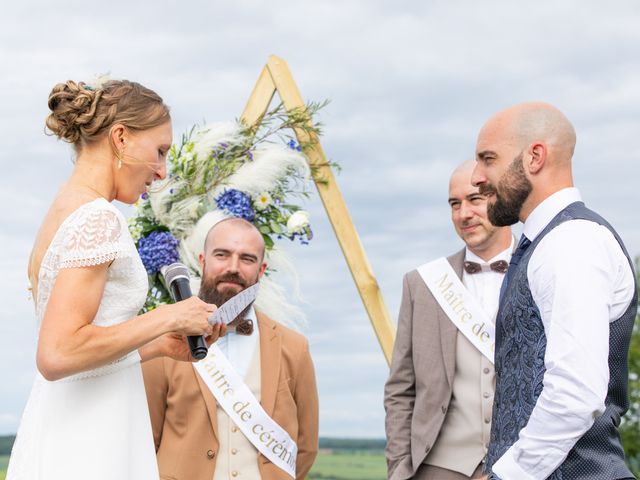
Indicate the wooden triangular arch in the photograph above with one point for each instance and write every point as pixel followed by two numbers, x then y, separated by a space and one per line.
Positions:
pixel 276 77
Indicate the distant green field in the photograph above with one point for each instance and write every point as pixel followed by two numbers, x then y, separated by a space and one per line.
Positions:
pixel 340 465
pixel 331 464
pixel 4 460
pixel 335 466
pixel 349 465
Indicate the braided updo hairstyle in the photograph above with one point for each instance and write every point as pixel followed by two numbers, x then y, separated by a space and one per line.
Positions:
pixel 81 114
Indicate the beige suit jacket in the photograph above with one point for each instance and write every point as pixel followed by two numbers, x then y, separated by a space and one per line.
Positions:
pixel 184 413
pixel 418 391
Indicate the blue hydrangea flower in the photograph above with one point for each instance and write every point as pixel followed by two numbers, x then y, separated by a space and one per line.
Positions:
pixel 236 203
pixel 157 250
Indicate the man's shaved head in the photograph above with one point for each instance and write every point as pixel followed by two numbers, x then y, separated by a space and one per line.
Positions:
pixel 464 169
pixel 523 155
pixel 531 122
pixel 235 221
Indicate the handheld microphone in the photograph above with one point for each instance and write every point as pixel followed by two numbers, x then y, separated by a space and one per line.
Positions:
pixel 176 277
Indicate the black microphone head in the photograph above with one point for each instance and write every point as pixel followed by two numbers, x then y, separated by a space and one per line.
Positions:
pixel 176 277
pixel 174 271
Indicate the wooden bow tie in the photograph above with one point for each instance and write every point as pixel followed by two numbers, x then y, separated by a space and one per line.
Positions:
pixel 499 266
pixel 242 326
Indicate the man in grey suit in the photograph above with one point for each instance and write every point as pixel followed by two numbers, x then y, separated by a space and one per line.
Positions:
pixel 439 395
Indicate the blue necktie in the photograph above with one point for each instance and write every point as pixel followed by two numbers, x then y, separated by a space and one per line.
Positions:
pixel 523 244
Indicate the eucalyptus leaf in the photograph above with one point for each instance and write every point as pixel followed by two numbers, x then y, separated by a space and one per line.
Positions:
pixel 275 227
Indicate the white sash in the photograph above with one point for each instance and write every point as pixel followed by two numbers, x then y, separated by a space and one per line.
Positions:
pixel 245 411
pixel 460 305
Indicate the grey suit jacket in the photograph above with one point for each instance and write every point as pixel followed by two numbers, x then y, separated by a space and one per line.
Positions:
pixel 418 391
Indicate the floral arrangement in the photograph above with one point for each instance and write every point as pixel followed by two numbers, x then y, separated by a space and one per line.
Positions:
pixel 259 173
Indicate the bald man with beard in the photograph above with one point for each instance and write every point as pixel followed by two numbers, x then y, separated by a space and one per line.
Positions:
pixel 196 437
pixel 439 393
pixel 567 308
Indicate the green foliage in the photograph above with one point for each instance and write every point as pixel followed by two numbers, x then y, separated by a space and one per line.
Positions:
pixel 278 121
pixel 6 443
pixel 4 462
pixel 302 121
pixel 370 444
pixel 630 428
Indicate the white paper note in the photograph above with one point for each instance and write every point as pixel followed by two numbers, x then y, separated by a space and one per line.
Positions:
pixel 229 310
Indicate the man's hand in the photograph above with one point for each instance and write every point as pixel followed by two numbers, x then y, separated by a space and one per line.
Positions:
pixel 175 346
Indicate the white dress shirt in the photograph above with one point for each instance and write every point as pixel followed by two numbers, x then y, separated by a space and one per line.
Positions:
pixel 485 285
pixel 580 281
pixel 239 348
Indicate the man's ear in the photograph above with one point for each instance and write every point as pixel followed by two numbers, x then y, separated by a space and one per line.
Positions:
pixel 263 268
pixel 201 260
pixel 536 158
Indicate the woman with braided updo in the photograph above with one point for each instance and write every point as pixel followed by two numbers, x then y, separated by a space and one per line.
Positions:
pixel 87 416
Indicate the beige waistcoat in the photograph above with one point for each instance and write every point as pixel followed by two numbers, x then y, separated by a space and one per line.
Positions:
pixel 237 457
pixel 464 437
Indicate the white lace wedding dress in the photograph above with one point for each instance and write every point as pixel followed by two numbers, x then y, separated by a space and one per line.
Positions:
pixel 94 425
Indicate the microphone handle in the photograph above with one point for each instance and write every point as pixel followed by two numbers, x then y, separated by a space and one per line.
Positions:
pixel 181 290
pixel 198 346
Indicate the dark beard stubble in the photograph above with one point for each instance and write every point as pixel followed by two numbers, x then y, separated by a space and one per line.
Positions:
pixel 513 190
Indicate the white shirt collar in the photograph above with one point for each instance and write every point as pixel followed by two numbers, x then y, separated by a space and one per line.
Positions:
pixel 251 315
pixel 549 208
pixel 503 255
pixel 239 349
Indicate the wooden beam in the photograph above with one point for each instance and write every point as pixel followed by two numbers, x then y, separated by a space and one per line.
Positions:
pixel 281 80
pixel 260 98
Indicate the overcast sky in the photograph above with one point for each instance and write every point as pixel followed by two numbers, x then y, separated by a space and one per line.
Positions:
pixel 410 84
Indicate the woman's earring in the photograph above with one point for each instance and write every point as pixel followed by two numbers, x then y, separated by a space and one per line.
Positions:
pixel 119 164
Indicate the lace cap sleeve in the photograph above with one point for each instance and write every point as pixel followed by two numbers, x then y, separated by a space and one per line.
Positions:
pixel 94 235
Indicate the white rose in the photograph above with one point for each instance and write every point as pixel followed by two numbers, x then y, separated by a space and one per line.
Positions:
pixel 298 221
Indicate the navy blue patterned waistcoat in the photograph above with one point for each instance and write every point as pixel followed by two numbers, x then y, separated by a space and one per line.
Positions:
pixel 519 362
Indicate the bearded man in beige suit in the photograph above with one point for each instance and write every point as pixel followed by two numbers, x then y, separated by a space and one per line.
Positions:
pixel 439 395
pixel 195 439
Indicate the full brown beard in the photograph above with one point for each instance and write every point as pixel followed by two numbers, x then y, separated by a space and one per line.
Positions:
pixel 512 191
pixel 210 293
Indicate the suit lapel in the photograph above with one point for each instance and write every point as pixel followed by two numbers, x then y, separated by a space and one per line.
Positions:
pixel 270 346
pixel 448 331
pixel 209 400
